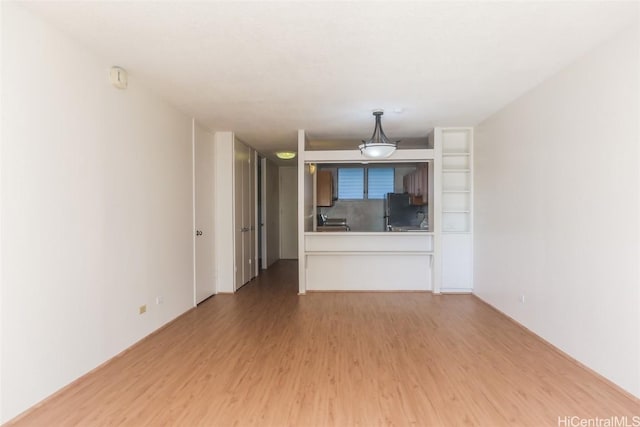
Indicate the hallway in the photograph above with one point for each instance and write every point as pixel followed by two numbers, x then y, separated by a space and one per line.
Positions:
pixel 266 356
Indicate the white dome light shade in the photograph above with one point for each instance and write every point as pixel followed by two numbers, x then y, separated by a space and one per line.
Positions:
pixel 378 146
pixel 286 155
pixel 377 150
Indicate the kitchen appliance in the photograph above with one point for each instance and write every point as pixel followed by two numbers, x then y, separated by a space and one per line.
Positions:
pixel 342 222
pixel 400 213
pixel 333 224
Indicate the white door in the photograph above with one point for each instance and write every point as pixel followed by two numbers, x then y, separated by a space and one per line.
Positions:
pixel 289 212
pixel 203 192
pixel 262 227
pixel 243 205
pixel 246 219
pixel 253 220
pixel 239 158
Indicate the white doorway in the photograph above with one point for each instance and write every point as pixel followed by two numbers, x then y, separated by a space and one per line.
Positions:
pixel 288 190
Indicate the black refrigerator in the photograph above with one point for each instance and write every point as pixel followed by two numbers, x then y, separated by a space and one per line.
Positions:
pixel 398 211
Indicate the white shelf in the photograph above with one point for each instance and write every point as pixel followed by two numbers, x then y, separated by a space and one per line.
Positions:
pixel 456 141
pixel 456 211
pixel 456 162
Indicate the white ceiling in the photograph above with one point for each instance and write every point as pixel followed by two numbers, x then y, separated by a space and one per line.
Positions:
pixel 266 69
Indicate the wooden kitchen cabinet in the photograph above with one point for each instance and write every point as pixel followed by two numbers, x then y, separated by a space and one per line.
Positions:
pixel 324 189
pixel 416 184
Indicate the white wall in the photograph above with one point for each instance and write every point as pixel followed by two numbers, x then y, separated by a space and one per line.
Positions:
pixel 272 221
pixel 557 208
pixel 96 212
pixel 288 195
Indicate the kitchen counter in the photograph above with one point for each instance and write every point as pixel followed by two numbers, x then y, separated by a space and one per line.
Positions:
pixel 407 229
pixel 332 228
pixel 369 261
pixel 374 233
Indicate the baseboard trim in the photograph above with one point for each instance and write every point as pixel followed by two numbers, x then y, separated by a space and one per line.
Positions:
pixel 101 365
pixel 358 291
pixel 555 349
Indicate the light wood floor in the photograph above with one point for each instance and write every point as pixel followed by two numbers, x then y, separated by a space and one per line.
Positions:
pixel 268 357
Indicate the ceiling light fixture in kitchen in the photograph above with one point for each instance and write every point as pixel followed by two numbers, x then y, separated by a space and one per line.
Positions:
pixel 378 146
pixel 286 155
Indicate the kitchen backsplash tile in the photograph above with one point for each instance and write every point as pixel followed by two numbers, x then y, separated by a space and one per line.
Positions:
pixel 361 215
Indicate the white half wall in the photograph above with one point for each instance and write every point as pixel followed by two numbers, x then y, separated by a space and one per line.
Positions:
pixel 557 210
pixel 96 212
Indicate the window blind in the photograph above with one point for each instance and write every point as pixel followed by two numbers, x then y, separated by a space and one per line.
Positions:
pixel 379 182
pixel 350 183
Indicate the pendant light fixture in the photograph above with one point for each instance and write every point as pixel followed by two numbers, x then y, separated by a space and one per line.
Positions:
pixel 378 146
pixel 286 155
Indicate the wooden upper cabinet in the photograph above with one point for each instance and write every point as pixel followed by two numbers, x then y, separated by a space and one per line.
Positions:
pixel 325 189
pixel 416 184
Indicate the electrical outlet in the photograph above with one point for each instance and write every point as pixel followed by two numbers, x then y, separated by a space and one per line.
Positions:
pixel 522 299
pixel 159 299
pixel 143 309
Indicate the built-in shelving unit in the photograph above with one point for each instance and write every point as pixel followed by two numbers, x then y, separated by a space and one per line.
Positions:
pixel 456 208
pixel 456 180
